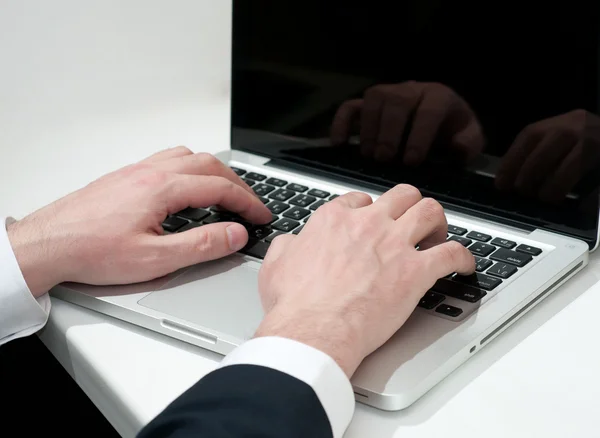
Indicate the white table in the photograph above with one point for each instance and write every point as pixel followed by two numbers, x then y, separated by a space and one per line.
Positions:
pixel 94 86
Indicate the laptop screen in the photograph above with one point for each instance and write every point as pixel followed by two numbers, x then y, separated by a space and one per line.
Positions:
pixel 492 109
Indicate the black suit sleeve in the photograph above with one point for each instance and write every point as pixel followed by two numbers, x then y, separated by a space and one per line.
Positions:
pixel 243 401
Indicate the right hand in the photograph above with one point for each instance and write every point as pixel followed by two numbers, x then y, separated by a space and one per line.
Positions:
pixel 353 276
pixel 383 118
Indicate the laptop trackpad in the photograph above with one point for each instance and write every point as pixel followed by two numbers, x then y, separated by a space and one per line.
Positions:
pixel 220 295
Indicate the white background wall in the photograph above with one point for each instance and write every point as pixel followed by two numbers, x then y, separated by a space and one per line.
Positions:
pixel 88 86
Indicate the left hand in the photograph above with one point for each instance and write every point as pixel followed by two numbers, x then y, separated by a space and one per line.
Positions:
pixel 109 232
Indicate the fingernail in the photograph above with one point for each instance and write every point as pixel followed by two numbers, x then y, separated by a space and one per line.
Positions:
pixel 236 237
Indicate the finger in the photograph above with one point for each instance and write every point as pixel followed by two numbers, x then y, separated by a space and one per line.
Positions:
pixel 166 154
pixel 447 258
pixel 396 201
pixel 394 117
pixel 202 164
pixel 515 157
pixel 345 120
pixel 203 191
pixel 354 200
pixel 428 118
pixel 201 244
pixel 542 161
pixel 369 121
pixel 423 224
pixel 564 179
pixel 278 247
pixel 469 141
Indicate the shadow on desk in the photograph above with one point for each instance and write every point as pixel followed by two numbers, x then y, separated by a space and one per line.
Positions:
pixel 41 399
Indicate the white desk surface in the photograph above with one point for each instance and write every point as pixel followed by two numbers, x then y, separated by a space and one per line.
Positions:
pixel 94 86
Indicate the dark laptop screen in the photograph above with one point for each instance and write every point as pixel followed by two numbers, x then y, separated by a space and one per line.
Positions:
pixel 488 107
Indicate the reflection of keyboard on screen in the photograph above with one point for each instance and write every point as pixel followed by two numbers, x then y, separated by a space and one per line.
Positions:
pixel 292 204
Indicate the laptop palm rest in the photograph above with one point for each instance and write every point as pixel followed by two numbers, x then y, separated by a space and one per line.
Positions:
pixel 221 296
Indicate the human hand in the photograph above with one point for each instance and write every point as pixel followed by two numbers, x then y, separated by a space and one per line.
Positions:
pixel 353 276
pixel 109 232
pixel 438 115
pixel 548 158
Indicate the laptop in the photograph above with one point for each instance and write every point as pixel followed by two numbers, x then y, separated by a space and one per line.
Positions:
pixel 330 97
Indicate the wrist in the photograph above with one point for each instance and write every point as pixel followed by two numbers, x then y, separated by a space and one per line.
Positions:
pixel 330 334
pixel 37 255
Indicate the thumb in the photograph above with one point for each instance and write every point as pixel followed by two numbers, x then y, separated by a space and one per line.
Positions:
pixel 201 244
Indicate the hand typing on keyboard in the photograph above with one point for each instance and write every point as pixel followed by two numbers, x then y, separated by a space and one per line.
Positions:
pixel 353 276
pixel 110 231
pixel 421 112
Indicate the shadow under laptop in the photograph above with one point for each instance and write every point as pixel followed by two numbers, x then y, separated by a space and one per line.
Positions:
pixel 388 423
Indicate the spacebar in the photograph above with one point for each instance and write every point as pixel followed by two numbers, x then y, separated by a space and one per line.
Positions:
pixel 458 290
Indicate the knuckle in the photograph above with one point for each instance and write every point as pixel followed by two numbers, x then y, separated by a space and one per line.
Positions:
pixel 182 149
pixel 431 210
pixel 205 241
pixel 207 159
pixel 409 191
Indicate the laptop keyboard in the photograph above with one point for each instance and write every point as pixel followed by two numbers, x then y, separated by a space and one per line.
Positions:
pixel 497 259
pixel 292 204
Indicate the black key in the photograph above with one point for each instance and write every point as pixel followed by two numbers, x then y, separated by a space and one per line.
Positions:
pixel 306 219
pixel 262 189
pixel 173 223
pixel 463 241
pixel 189 226
pixel 296 213
pixel 512 257
pixel 260 232
pixel 273 236
pixel 303 200
pixel 476 235
pixel 458 290
pixel 215 217
pixel 318 193
pixel 297 230
pixel 529 250
pixel 502 270
pixel 263 200
pixel 332 197
pixel 282 195
pixel 240 220
pixel 277 207
pixel 238 171
pixel 256 248
pixel 482 264
pixel 317 204
pixel 297 188
pixel 456 230
pixel 504 243
pixel 430 300
pixel 481 281
pixel 449 310
pixel 194 214
pixel 481 249
pixel 255 176
pixel 274 218
pixel 276 182
pixel 285 225
pixel 249 182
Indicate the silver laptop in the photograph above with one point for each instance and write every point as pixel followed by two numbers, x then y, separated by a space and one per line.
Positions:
pixel 328 98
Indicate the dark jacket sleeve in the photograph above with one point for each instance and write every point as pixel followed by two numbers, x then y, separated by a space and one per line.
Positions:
pixel 243 401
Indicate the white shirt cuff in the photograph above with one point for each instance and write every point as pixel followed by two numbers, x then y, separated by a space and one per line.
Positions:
pixel 307 364
pixel 20 313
